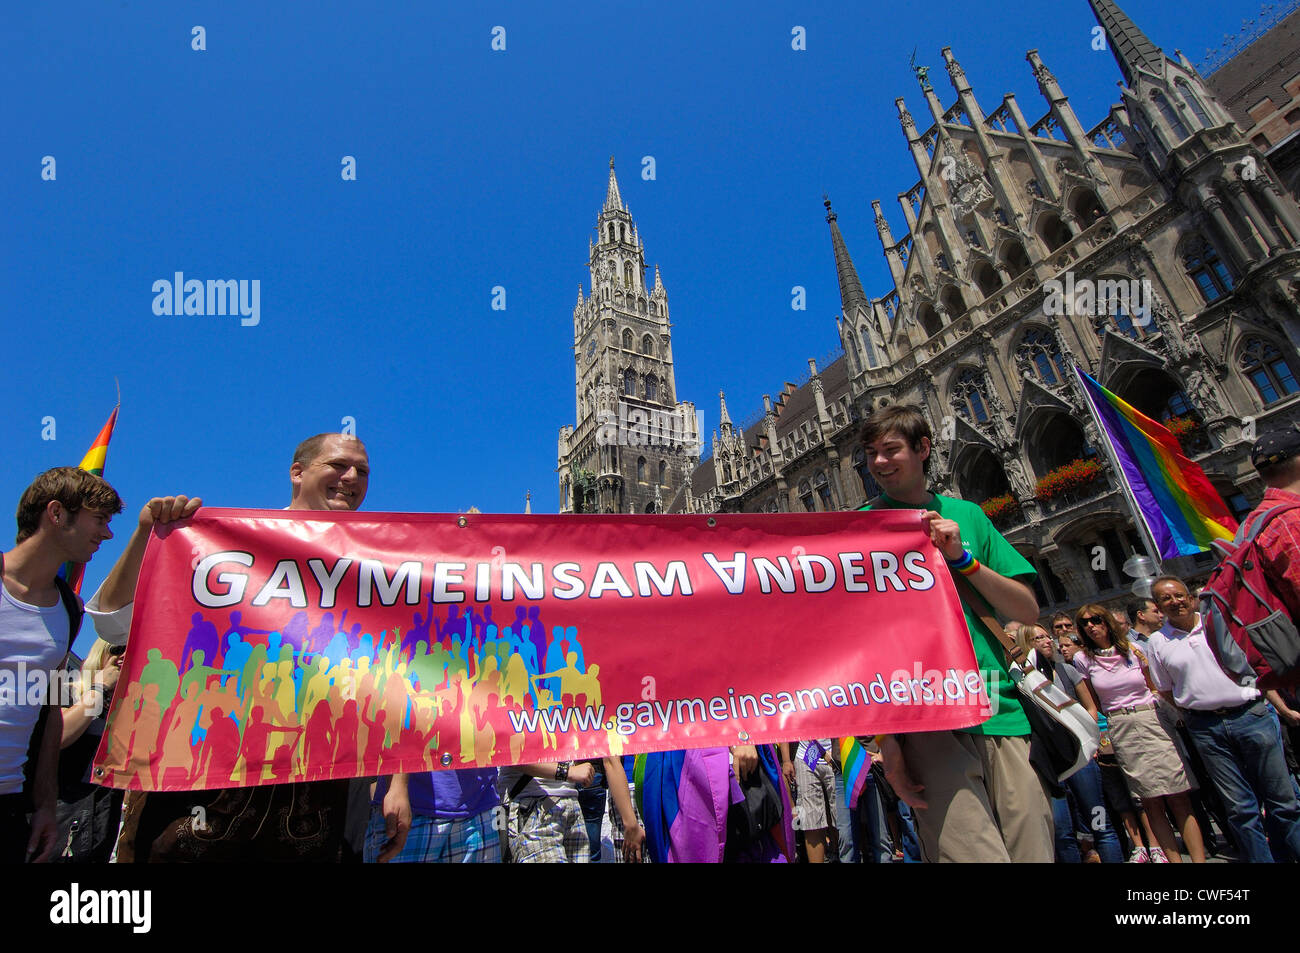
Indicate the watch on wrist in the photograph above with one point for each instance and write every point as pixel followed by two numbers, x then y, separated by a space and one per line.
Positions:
pixel 562 770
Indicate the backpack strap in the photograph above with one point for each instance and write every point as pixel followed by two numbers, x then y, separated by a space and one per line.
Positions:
pixel 71 603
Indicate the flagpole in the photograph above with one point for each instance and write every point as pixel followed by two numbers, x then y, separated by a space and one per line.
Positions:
pixel 1148 539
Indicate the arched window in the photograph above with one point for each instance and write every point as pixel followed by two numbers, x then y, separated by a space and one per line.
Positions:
pixel 622 233
pixel 806 497
pixel 1086 206
pixel 1207 271
pixel 823 490
pixel 986 278
pixel 651 389
pixel 1039 350
pixel 627 340
pixel 1014 257
pixel 1267 369
pixel 647 345
pixel 869 346
pixel 952 301
pixel 627 274
pixel 1115 308
pixel 629 382
pixel 1054 231
pixel 611 231
pixel 663 473
pixel 640 469
pixel 1170 115
pixel 1194 102
pixel 869 485
pixel 929 319
pixel 968 396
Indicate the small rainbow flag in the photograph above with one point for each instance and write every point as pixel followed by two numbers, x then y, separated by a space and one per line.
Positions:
pixel 1182 511
pixel 855 763
pixel 93 462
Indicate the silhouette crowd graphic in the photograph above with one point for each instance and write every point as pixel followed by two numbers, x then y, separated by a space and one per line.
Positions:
pixel 248 706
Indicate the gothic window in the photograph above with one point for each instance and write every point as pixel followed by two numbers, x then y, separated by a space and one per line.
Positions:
pixel 627 274
pixel 611 231
pixel 1207 271
pixel 640 469
pixel 1086 206
pixel 1038 349
pixel 941 260
pixel 1114 310
pixel 968 396
pixel 647 345
pixel 869 346
pixel 1001 216
pixel 1194 101
pixel 806 497
pixel 651 389
pixel 973 239
pixel 1054 231
pixel 663 473
pixel 627 340
pixel 1014 257
pixel 1170 115
pixel 952 301
pixel 823 490
pixel 629 382
pixel 929 319
pixel 869 485
pixel 1267 369
pixel 1034 188
pixel 986 278
pixel 622 234
pixel 726 472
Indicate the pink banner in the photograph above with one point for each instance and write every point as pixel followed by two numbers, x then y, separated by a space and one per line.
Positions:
pixel 267 647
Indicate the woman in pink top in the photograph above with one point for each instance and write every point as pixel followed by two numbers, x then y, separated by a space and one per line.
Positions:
pixel 1115 682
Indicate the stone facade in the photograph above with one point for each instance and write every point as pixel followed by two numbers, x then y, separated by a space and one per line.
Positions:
pixel 1164 211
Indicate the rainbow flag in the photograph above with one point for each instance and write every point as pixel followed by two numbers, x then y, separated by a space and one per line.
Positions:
pixel 93 462
pixel 1182 511
pixel 855 763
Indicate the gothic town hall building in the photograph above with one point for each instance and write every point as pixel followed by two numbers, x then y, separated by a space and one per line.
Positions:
pixel 1158 250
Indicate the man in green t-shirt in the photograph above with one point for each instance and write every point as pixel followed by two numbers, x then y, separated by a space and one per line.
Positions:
pixel 976 797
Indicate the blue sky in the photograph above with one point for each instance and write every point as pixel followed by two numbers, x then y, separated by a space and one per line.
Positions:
pixel 475 168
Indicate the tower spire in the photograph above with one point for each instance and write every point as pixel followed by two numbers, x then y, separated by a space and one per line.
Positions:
pixel 1132 49
pixel 852 297
pixel 725 422
pixel 613 201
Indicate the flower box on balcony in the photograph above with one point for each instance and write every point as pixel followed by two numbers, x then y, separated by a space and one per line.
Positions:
pixel 1066 478
pixel 1001 507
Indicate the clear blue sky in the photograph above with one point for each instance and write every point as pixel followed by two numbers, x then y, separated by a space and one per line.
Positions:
pixel 475 168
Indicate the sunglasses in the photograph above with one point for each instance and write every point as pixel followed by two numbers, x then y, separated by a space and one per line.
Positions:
pixel 1092 620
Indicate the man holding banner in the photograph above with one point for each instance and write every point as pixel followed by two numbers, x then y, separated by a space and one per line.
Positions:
pixel 977 797
pixel 302 821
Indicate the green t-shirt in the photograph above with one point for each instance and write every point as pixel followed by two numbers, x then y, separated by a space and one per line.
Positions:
pixel 989 547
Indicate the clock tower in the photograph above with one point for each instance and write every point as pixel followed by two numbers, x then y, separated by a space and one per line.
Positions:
pixel 634 445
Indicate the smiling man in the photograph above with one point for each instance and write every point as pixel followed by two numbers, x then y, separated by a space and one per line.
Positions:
pixel 62 517
pixel 976 796
pixel 301 821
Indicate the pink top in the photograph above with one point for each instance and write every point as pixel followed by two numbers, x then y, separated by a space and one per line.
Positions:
pixel 1115 682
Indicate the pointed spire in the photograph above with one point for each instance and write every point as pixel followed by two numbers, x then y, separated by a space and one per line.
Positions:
pixel 725 419
pixel 851 294
pixel 580 299
pixel 528 502
pixel 658 288
pixel 1132 49
pixel 613 201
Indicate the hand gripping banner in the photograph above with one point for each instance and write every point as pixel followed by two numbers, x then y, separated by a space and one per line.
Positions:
pixel 267 647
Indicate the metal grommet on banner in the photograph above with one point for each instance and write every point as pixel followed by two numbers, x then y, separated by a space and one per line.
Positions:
pixel 462 522
pixel 712 521
pixel 99 772
pixel 446 758
pixel 743 736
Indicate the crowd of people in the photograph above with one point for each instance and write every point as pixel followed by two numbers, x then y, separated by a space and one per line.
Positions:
pixel 1191 763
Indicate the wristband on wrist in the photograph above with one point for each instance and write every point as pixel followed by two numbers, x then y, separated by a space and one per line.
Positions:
pixel 962 561
pixel 562 771
pixel 970 568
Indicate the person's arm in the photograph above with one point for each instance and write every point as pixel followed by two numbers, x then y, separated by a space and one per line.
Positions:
pixel 77 718
pixel 1284 711
pixel 787 763
pixel 1088 697
pixel 45 789
pixel 744 759
pixel 118 589
pixel 897 774
pixel 1010 598
pixel 397 817
pixel 633 835
pixel 581 773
